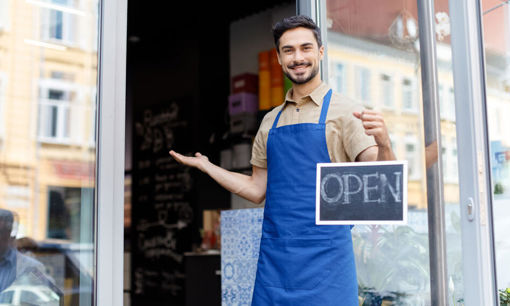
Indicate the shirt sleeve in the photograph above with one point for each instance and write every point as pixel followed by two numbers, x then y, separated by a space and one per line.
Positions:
pixel 258 152
pixel 354 138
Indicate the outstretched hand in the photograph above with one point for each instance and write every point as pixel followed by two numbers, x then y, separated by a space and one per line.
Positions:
pixel 373 123
pixel 198 161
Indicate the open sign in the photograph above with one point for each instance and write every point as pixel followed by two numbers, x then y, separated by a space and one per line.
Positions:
pixel 361 193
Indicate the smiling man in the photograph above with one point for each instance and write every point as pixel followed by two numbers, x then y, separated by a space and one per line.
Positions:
pixel 301 263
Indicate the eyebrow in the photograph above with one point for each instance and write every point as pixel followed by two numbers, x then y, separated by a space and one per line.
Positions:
pixel 302 45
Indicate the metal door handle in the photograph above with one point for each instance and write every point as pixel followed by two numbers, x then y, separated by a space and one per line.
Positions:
pixel 470 209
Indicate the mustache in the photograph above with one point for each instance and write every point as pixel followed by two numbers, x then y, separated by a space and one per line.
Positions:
pixel 300 64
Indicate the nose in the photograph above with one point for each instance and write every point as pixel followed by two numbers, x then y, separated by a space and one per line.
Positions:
pixel 298 56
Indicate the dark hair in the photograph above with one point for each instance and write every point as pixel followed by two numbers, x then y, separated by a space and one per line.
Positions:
pixel 295 22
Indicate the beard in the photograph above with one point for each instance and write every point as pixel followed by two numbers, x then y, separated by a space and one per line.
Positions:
pixel 314 72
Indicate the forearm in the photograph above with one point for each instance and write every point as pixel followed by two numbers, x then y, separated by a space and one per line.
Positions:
pixel 385 153
pixel 245 186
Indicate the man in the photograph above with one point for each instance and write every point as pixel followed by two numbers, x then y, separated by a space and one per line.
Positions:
pixel 301 263
pixel 13 264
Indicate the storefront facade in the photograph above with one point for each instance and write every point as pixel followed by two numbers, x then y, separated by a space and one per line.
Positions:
pixel 70 144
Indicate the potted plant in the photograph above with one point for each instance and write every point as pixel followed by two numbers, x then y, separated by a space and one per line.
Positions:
pixel 504 297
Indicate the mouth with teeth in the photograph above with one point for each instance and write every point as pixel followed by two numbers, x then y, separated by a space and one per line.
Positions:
pixel 300 68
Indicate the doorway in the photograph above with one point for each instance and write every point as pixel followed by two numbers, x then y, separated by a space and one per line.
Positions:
pixel 180 72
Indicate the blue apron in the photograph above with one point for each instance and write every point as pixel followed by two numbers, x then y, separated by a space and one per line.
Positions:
pixel 301 263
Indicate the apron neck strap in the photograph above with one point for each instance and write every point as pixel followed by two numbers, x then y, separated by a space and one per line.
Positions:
pixel 324 110
pixel 325 106
pixel 275 122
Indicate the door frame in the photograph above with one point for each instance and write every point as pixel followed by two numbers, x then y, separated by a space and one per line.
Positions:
pixel 110 151
pixel 473 154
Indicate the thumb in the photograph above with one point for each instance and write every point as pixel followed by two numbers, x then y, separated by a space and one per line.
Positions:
pixel 357 115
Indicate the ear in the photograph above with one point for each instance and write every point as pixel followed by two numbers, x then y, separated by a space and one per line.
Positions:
pixel 321 52
pixel 279 59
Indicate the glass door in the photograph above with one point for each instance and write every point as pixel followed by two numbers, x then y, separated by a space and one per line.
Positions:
pixel 373 58
pixel 48 103
pixel 496 43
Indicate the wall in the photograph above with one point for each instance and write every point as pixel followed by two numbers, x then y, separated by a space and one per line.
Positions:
pixel 251 35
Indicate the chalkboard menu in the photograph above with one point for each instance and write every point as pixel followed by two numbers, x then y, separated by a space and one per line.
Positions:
pixel 361 193
pixel 162 210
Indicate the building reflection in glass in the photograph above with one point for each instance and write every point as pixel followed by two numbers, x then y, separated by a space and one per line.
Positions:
pixel 48 81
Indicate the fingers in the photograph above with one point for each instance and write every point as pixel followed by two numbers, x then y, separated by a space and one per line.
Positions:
pixel 193 161
pixel 372 124
pixel 368 116
pixel 375 132
pixel 178 157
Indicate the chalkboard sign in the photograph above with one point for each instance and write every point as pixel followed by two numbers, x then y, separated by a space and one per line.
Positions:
pixel 162 210
pixel 361 193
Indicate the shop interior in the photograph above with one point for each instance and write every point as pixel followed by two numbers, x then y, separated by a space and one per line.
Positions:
pixel 199 79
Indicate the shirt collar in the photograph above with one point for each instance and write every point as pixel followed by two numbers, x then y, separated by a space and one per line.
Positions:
pixel 316 96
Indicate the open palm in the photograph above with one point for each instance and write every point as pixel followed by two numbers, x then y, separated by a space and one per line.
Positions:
pixel 196 161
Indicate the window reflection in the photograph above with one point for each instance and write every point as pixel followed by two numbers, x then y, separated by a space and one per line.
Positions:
pixel 23 278
pixel 380 43
pixel 47 149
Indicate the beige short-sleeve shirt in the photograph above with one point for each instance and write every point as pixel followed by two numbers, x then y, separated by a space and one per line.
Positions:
pixel 345 136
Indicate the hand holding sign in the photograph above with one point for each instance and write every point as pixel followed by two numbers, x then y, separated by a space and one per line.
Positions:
pixel 373 123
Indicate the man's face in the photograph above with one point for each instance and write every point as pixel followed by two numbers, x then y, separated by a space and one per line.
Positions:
pixel 5 240
pixel 300 55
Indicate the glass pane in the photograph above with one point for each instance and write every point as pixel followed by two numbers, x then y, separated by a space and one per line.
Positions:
pixel 383 40
pixel 47 151
pixel 378 46
pixel 496 36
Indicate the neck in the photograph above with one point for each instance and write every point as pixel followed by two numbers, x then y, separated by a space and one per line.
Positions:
pixel 302 90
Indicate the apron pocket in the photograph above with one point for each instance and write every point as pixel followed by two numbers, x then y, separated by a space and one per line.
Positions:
pixel 294 263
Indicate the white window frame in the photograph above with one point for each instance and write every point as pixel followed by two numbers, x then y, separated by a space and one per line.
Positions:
pixel 389 85
pixel 63 109
pixel 339 74
pixel 412 90
pixel 447 102
pixel 69 23
pixel 414 164
pixel 362 85
pixel 45 85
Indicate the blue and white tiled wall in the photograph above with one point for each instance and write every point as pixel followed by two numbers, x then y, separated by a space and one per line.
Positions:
pixel 241 230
